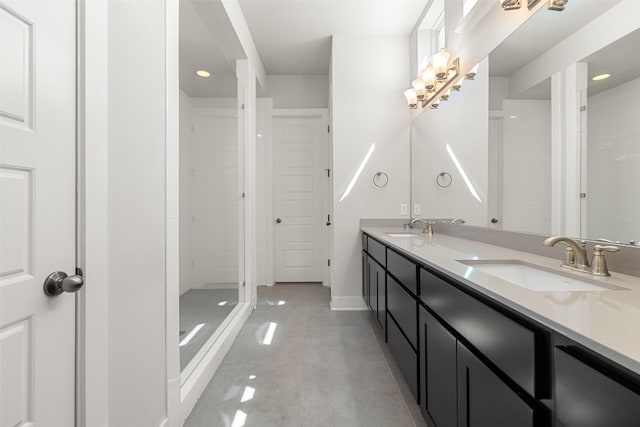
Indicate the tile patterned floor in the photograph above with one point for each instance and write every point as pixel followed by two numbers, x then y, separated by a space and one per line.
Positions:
pixel 322 368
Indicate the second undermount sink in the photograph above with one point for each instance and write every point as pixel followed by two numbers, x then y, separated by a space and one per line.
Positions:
pixel 537 278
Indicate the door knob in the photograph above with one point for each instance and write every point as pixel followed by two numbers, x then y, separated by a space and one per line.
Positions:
pixel 59 282
pixel 328 223
pixel 278 220
pixel 494 220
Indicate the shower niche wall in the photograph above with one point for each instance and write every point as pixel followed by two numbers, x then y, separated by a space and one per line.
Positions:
pixel 211 218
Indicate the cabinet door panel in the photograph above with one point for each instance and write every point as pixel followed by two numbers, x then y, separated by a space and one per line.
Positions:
pixel 438 371
pixel 484 400
pixel 404 355
pixel 373 285
pixel 403 308
pixel 587 398
pixel 382 306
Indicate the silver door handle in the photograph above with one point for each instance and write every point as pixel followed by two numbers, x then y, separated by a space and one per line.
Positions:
pixel 59 282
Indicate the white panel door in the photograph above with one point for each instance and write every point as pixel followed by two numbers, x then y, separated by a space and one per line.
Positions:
pixel 298 198
pixel 37 211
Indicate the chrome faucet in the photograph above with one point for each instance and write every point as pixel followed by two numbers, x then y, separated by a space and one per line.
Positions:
pixel 575 256
pixel 457 221
pixel 428 225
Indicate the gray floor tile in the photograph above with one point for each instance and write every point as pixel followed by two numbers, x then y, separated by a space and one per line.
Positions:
pixel 322 368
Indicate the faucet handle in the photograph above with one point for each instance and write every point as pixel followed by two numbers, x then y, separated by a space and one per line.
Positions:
pixel 598 263
pixel 606 248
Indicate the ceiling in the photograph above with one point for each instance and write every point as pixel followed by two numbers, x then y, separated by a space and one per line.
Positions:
pixel 199 50
pixel 294 36
pixel 541 32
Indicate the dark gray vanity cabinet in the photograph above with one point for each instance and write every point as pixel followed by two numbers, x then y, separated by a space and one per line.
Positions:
pixel 589 394
pixel 438 370
pixel 458 389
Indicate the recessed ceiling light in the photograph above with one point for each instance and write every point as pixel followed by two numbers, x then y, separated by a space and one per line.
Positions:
pixel 203 73
pixel 601 77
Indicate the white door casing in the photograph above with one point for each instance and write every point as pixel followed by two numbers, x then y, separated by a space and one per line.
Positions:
pixel 37 211
pixel 299 179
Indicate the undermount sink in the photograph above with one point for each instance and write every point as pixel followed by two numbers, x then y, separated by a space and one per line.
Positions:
pixel 404 235
pixel 537 278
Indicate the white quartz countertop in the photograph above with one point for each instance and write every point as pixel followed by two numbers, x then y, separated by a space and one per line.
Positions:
pixel 606 321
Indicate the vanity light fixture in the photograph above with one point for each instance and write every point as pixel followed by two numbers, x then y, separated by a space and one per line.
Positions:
pixel 419 87
pixel 510 4
pixel 440 61
pixel 435 82
pixel 203 73
pixel 601 77
pixel 428 76
pixel 412 98
pixel 472 72
pixel 557 5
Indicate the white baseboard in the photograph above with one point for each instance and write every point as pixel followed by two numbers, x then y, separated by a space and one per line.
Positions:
pixel 193 387
pixel 348 303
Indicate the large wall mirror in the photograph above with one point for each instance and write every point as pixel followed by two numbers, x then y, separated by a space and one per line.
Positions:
pixel 535 143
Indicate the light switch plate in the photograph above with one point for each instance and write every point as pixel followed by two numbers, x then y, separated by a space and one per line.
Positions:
pixel 417 209
pixel 403 209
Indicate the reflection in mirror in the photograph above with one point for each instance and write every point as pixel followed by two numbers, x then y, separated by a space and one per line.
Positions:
pixel 521 138
pixel 211 205
pixel 611 185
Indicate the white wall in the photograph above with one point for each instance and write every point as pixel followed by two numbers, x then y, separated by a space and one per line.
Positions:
pixel 299 91
pixel 264 192
pixel 136 214
pixel 526 166
pixel 209 192
pixel 462 123
pixel 613 162
pixel 368 108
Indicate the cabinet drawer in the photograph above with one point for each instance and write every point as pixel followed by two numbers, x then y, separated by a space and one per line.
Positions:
pixel 405 357
pixel 403 308
pixel 377 251
pixel 403 270
pixel 587 398
pixel 508 344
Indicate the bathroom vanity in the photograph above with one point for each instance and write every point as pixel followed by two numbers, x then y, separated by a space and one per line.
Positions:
pixel 481 342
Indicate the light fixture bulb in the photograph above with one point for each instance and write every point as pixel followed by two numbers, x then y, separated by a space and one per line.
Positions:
pixel 412 98
pixel 472 73
pixel 428 76
pixel 203 73
pixel 457 85
pixel 511 4
pixel 601 77
pixel 435 104
pixel 440 61
pixel 557 5
pixel 418 86
pixel 445 95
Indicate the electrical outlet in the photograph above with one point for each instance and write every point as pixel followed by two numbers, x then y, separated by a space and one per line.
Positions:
pixel 403 209
pixel 417 209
